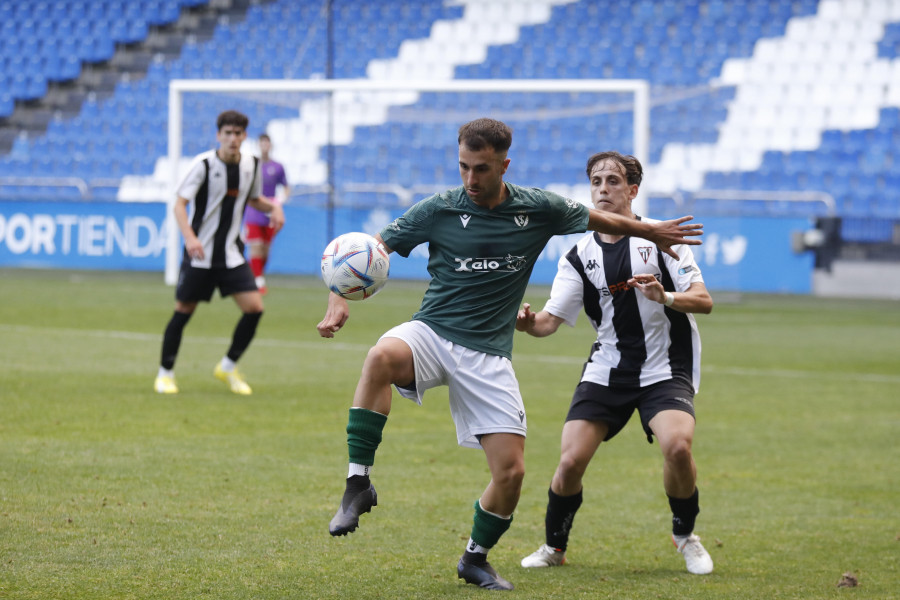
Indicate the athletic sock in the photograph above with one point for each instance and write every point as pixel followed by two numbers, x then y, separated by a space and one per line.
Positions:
pixel 475 554
pixel 684 513
pixel 243 334
pixel 488 527
pixel 172 339
pixel 364 431
pixel 358 469
pixel 257 265
pixel 474 547
pixel 227 364
pixel 560 515
pixel 163 372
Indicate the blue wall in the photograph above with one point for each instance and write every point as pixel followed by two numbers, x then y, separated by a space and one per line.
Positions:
pixel 748 254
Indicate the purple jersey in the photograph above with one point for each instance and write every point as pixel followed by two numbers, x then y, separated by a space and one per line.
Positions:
pixel 272 175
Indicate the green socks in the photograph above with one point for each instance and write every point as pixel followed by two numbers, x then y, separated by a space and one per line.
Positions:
pixel 364 429
pixel 488 528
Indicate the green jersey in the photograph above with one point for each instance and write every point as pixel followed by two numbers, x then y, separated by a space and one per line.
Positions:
pixel 480 260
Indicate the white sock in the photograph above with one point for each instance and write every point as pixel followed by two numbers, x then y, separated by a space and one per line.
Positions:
pixel 227 365
pixel 163 372
pixel 358 469
pixel 472 546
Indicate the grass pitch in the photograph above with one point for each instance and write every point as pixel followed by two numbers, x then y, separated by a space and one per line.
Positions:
pixel 108 490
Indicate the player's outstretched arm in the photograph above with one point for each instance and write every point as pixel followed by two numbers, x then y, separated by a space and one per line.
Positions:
pixel 539 324
pixel 664 234
pixel 673 232
pixel 336 315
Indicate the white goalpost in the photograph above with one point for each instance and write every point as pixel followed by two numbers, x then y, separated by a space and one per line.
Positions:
pixel 371 99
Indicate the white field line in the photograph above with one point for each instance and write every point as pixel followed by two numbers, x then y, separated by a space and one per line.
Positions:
pixel 518 358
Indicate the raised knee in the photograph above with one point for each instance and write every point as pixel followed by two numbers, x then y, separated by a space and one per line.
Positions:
pixel 384 364
pixel 378 358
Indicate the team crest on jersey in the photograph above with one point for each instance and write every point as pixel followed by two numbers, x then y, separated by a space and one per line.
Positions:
pixel 572 203
pixel 645 252
pixel 514 263
pixel 521 220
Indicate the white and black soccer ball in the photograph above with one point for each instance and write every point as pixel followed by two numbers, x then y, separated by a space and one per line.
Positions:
pixel 355 266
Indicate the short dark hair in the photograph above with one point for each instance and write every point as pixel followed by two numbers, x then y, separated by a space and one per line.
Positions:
pixel 634 172
pixel 480 133
pixel 233 118
pixel 264 136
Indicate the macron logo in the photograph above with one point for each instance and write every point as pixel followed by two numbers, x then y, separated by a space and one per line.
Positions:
pixel 465 219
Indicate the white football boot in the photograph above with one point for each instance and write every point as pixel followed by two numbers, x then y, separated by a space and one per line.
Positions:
pixel 696 557
pixel 545 556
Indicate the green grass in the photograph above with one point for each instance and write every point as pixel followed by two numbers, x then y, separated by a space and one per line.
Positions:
pixel 108 490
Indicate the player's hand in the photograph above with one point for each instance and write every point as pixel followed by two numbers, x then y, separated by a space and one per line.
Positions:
pixel 276 217
pixel 525 318
pixel 676 231
pixel 649 286
pixel 335 316
pixel 194 249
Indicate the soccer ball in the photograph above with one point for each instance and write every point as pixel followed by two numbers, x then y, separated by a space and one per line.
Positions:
pixel 355 266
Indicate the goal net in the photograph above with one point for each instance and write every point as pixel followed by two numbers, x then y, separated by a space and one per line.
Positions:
pixel 356 145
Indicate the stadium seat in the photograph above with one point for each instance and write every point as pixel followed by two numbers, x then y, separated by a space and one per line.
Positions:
pixel 7 103
pixel 679 46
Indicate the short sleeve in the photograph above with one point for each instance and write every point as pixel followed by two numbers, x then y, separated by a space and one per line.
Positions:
pixel 256 186
pixel 571 216
pixel 411 228
pixel 192 181
pixel 684 270
pixel 567 293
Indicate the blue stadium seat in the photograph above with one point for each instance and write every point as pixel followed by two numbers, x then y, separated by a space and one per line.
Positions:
pixel 162 12
pixel 677 45
pixel 7 102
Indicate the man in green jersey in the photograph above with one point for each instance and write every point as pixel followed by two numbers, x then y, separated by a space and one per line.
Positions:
pixel 483 238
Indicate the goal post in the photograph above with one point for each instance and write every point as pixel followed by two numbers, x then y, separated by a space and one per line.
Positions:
pixel 382 95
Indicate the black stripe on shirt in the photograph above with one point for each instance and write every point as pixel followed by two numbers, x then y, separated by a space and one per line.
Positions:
pixel 590 295
pixel 626 317
pixel 226 213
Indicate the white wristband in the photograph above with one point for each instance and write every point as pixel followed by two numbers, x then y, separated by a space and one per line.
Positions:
pixel 670 299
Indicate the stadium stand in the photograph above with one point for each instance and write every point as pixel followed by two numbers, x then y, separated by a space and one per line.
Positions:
pixel 780 96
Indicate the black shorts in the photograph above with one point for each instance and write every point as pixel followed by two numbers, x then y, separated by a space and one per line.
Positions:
pixel 198 285
pixel 614 406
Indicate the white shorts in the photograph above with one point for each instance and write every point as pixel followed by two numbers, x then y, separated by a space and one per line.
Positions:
pixel 484 392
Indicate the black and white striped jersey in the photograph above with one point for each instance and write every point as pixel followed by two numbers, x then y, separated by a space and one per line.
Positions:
pixel 218 193
pixel 639 341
